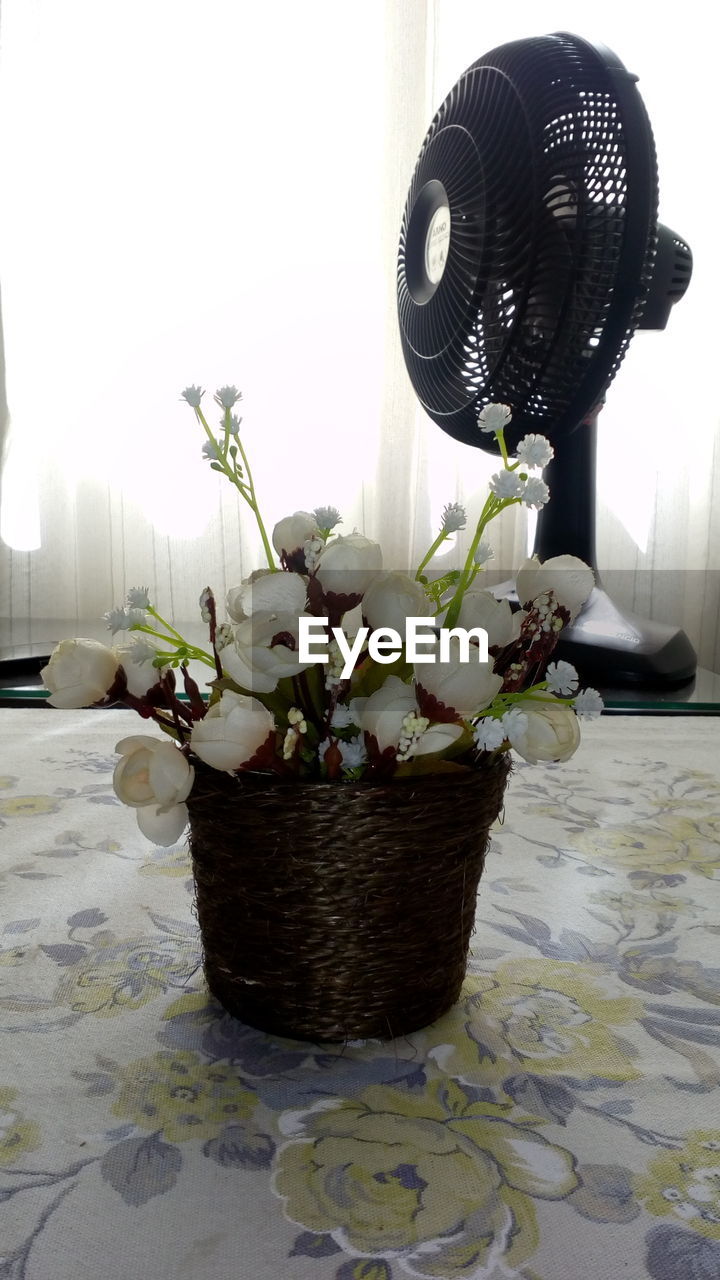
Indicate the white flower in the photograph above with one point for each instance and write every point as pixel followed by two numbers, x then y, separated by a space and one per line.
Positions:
pixel 79 673
pixel 151 771
pixel 347 566
pixel 562 678
pixel 494 417
pixel 535 493
pixel 290 743
pixel 124 619
pixel 342 717
pixel 311 552
pixel 210 451
pixel 139 598
pixel 489 734
pixel 392 598
pixel 552 732
pixel 480 609
pixel 193 395
pixel 270 593
pixel 514 723
pixel 224 636
pixel 232 732
pixel 535 451
pixel 327 517
pixel 265 650
pixel 588 704
pixel 162 826
pixel 353 753
pixel 454 517
pixel 385 712
pixel 226 397
pixel 465 688
pixel 290 534
pixel 483 553
pixel 569 578
pixel 234 424
pixel 507 484
pixel 136 658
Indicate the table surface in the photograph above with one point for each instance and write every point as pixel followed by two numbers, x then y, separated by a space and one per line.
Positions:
pixel 561 1121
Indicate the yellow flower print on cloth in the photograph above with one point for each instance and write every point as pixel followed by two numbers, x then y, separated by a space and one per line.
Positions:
pixel 120 975
pixel 541 1016
pixel 669 844
pixel 28 806
pixel 685 1184
pixel 437 1178
pixel 182 1095
pixel 17 1135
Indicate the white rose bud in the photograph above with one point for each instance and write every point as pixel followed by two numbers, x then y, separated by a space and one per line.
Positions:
pixel 152 771
pixel 568 577
pixel 79 673
pixel 265 651
pixel 552 732
pixel 290 534
pixel 481 609
pixel 271 593
pixel 348 565
pixel 232 732
pixel 392 598
pixel 465 688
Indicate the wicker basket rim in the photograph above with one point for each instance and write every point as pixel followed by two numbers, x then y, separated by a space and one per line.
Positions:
pixel 429 779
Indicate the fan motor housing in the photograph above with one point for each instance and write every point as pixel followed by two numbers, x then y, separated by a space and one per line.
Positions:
pixel 543 156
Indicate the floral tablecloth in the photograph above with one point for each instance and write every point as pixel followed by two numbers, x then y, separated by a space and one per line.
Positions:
pixel 562 1121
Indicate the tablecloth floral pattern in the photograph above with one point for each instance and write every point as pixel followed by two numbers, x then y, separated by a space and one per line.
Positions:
pixel 562 1120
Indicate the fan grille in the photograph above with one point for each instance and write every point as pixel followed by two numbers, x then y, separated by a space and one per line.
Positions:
pixel 545 152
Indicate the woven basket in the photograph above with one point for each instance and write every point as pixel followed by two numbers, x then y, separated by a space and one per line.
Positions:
pixel 333 911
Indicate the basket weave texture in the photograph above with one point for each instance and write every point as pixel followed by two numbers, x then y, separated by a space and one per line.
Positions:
pixel 333 911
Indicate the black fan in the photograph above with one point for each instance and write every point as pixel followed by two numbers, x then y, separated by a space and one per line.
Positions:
pixel 530 252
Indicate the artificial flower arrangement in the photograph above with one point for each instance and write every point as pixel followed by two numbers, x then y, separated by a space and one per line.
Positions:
pixel 329 667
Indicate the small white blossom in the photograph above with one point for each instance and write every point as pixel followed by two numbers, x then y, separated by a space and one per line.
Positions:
pixel 297 719
pixel 494 417
pixel 335 665
pixel 353 752
pixel 535 451
pixel 116 619
pixel 489 734
pixel 311 552
pixel 483 553
pixel 507 484
pixel 327 517
pixel 209 451
pixel 290 742
pixel 234 424
pixel 224 636
pixel 205 596
pixel 193 395
pixel 413 727
pixel 562 678
pixel 514 724
pixel 535 493
pixel 142 650
pixel 342 716
pixel 588 704
pixel 227 397
pixel 454 517
pixel 139 597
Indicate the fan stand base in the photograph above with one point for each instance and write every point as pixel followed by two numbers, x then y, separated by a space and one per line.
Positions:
pixel 613 648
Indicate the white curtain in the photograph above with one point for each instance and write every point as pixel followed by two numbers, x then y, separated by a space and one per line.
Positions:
pixel 212 193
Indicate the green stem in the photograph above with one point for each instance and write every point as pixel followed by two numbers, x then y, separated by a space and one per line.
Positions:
pixel 443 534
pixel 253 503
pixel 489 511
pixel 154 613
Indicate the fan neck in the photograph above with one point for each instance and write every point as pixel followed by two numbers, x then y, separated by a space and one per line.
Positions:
pixel 566 525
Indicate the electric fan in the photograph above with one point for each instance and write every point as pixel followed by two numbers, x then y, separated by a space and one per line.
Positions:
pixel 530 252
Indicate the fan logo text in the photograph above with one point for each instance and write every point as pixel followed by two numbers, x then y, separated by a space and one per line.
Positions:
pixel 385 644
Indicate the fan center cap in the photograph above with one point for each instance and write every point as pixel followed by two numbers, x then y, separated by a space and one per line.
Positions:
pixel 437 244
